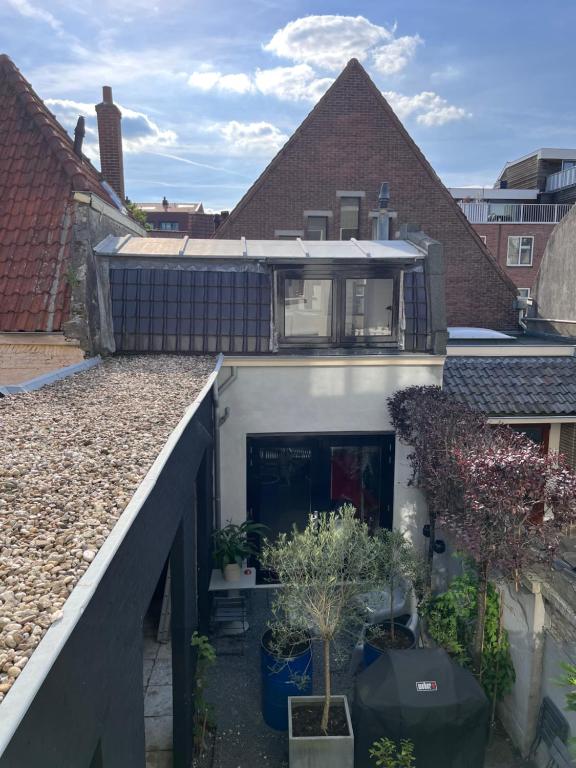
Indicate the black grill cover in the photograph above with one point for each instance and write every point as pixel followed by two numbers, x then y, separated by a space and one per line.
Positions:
pixel 424 696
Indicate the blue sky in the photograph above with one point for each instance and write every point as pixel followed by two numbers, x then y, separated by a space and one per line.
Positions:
pixel 210 90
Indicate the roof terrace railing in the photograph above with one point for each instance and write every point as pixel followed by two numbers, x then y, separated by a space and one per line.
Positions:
pixel 561 179
pixel 482 212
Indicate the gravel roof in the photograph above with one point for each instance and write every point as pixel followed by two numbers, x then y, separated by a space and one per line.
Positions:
pixel 73 454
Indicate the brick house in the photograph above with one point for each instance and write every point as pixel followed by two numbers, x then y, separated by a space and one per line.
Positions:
pixel 323 184
pixel 180 219
pixel 53 209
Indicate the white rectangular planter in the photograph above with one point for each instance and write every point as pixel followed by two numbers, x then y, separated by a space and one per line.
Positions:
pixel 320 751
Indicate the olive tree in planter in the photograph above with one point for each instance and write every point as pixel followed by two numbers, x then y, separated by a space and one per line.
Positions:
pixel 323 570
pixel 397 562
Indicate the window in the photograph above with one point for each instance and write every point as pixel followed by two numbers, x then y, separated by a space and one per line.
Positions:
pixel 369 304
pixel 568 164
pixel 316 228
pixel 520 251
pixel 524 293
pixel 169 226
pixel 349 217
pixel 337 306
pixel 307 308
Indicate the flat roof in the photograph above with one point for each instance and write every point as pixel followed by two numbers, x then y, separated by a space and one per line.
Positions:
pixel 489 193
pixel 544 153
pixel 259 250
pixel 74 453
pixel 171 207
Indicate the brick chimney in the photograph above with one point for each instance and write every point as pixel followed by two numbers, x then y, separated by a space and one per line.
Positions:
pixel 110 139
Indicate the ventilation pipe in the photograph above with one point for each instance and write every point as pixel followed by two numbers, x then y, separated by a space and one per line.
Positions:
pixel 79 133
pixel 383 213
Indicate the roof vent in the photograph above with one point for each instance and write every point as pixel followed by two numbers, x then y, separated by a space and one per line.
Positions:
pixel 165 203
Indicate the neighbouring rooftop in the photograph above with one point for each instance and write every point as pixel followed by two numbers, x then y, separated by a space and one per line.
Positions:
pixel 289 250
pixel 73 455
pixel 514 386
pixel 171 207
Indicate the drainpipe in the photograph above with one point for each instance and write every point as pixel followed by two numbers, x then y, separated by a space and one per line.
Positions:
pixel 218 422
pixel 383 215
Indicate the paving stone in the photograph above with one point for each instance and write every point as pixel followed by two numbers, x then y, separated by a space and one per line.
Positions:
pixel 158 700
pixel 158 733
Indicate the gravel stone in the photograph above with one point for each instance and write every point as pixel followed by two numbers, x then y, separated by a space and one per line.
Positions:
pixel 72 455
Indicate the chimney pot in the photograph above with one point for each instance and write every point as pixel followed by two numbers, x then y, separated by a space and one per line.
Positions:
pixel 107 94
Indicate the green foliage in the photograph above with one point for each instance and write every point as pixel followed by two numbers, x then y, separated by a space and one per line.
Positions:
pixel 450 618
pixel 568 680
pixel 324 569
pixel 203 715
pixel 231 543
pixel 387 754
pixel 137 214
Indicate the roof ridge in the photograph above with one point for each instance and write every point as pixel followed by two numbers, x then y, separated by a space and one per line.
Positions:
pixel 355 65
pixel 80 171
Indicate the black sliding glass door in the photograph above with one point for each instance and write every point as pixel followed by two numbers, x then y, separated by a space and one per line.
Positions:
pixel 289 477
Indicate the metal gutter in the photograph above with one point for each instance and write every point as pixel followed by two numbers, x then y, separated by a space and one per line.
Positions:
pixel 19 698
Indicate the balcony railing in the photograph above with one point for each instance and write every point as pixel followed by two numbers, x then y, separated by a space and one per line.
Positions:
pixel 565 178
pixel 514 213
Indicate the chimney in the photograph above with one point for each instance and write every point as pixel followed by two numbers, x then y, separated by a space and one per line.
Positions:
pixel 165 203
pixel 110 139
pixel 79 133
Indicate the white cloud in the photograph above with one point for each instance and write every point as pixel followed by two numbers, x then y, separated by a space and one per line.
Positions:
pixel 297 83
pixel 394 57
pixel 430 108
pixel 25 8
pixel 139 132
pixel 329 41
pixel 259 138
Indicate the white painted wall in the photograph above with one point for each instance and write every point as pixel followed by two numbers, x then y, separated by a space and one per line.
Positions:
pixel 347 397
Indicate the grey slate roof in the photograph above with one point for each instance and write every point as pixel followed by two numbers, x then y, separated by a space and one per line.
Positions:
pixel 513 386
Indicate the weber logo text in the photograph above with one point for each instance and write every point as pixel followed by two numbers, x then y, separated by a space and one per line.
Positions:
pixel 427 685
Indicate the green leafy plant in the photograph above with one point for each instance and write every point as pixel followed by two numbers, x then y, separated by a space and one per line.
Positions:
pixel 387 754
pixel 324 569
pixel 568 680
pixel 451 619
pixel 232 542
pixel 137 214
pixel 203 719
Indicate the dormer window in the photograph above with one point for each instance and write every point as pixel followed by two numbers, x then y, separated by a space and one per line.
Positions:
pixel 337 306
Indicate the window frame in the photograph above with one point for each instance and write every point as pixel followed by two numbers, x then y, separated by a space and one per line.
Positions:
pixel 338 275
pixel 358 199
pixel 518 263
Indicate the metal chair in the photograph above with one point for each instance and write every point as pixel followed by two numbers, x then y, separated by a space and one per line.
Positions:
pixel 560 756
pixel 552 725
pixel 229 622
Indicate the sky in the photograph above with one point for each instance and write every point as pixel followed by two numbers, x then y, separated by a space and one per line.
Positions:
pixel 210 91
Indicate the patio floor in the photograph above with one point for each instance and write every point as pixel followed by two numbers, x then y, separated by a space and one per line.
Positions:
pixel 157 699
pixel 243 740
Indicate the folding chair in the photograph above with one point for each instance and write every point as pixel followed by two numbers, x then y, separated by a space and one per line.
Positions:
pixel 229 622
pixel 560 756
pixel 551 725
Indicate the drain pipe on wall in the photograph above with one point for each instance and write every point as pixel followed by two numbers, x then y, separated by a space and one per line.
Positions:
pixel 219 420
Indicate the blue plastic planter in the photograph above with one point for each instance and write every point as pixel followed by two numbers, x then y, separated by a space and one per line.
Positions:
pixel 371 653
pixel 283 677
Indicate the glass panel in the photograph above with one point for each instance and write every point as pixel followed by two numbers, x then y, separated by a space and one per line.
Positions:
pixel 355 479
pixel 513 250
pixel 369 307
pixel 349 217
pixel 284 488
pixel 316 228
pixel 308 308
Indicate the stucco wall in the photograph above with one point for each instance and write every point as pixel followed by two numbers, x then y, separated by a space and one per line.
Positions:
pixel 318 397
pixel 555 285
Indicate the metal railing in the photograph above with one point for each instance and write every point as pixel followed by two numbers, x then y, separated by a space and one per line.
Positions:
pixel 561 179
pixel 481 212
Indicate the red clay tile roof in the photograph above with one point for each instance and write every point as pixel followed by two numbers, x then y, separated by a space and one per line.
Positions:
pixel 39 172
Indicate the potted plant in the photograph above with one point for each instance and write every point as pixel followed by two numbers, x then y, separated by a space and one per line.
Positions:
pixel 232 545
pixel 398 564
pixel 323 571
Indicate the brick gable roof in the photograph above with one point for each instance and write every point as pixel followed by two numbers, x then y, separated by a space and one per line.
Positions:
pixel 39 173
pixel 352 140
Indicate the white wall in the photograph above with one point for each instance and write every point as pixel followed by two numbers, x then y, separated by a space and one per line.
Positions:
pixel 312 397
